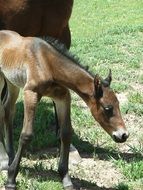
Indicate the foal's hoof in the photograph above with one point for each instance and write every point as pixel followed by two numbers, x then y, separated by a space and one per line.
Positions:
pixel 69 187
pixel 67 183
pixel 10 187
pixel 74 157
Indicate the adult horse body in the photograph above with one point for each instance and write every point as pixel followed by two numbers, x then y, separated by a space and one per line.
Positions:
pixel 41 69
pixel 37 18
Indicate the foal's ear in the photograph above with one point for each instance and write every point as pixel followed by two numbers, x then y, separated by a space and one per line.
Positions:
pixel 107 81
pixel 98 93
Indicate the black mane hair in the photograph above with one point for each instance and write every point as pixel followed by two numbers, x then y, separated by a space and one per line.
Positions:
pixel 60 47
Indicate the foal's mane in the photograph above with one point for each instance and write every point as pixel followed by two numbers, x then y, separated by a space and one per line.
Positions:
pixel 60 47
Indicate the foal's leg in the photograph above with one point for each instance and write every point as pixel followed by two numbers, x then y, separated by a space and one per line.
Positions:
pixel 30 102
pixel 9 115
pixel 62 102
pixel 3 157
pixel 3 154
pixel 74 156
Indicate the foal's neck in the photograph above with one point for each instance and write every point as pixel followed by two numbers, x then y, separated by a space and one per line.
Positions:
pixel 66 72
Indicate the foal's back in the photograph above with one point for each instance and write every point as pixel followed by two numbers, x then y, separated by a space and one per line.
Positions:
pixel 12 47
pixel 25 59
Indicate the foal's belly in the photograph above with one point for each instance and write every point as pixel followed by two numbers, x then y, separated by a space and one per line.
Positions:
pixel 17 77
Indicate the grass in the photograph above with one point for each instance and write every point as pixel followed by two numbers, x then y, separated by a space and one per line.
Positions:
pixel 105 34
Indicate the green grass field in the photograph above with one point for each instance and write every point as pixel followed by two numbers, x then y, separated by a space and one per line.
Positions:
pixel 105 34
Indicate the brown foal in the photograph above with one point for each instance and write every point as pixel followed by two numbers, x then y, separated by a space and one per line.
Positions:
pixel 38 18
pixel 42 69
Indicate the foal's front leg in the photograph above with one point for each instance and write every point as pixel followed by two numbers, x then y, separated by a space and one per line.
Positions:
pixel 30 102
pixel 63 112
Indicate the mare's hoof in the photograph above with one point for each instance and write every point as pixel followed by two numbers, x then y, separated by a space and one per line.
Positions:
pixel 10 187
pixel 74 157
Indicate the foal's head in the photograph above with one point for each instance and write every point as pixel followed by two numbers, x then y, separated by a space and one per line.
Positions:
pixel 105 109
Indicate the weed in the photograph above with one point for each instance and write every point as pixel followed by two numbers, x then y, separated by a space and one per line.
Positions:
pixel 122 186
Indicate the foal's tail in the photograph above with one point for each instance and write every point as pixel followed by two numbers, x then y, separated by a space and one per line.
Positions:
pixel 56 120
pixel 4 93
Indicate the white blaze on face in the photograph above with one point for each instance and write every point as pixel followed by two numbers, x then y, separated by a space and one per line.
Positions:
pixel 121 134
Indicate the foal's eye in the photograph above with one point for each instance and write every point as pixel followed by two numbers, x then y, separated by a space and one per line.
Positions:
pixel 108 110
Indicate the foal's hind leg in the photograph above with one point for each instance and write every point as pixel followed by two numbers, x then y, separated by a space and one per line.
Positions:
pixel 30 102
pixel 3 154
pixel 9 115
pixel 62 101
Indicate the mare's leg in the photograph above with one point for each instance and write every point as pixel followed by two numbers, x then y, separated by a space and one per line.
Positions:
pixel 66 37
pixel 9 115
pixel 62 101
pixel 30 102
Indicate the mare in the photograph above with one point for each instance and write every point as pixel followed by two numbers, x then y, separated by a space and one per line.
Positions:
pixel 43 69
pixel 37 18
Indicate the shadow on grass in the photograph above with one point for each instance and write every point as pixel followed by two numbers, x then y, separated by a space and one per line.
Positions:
pixel 88 150
pixel 45 129
pixel 44 126
pixel 107 154
pixel 45 135
pixel 43 175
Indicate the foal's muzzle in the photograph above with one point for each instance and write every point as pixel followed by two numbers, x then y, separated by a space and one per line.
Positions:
pixel 120 136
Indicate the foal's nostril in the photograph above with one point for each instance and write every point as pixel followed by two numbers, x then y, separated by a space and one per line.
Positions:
pixel 124 136
pixel 120 136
